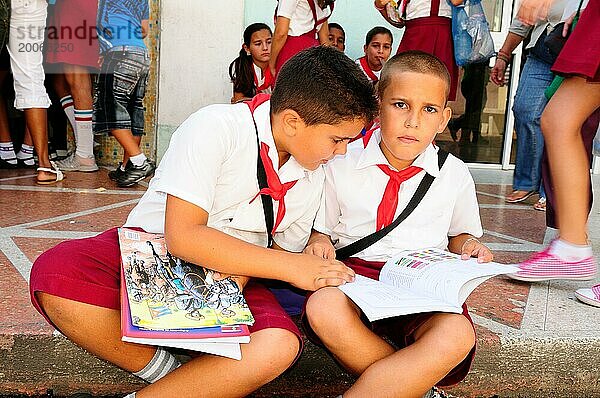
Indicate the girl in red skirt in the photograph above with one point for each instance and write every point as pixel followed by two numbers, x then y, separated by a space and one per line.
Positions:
pixel 428 27
pixel 298 25
pixel 570 255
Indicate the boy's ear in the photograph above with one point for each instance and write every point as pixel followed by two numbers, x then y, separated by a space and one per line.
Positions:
pixel 447 114
pixel 290 121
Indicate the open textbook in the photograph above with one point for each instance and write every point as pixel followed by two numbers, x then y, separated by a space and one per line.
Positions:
pixel 169 302
pixel 421 281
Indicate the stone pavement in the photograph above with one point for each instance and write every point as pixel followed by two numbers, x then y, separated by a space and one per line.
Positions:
pixel 533 340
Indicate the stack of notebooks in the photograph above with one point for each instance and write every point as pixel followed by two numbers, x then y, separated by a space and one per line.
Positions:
pixel 168 302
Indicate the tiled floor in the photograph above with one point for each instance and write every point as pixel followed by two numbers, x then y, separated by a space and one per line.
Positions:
pixel 34 218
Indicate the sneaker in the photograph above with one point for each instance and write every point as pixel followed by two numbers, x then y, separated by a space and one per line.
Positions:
pixel 117 173
pixel 544 266
pixel 134 174
pixel 10 163
pixel 589 296
pixel 26 163
pixel 437 393
pixel 77 163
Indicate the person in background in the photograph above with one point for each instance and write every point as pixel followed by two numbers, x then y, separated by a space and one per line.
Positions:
pixel 299 24
pixel 377 48
pixel 337 36
pixel 428 27
pixel 119 103
pixel 250 72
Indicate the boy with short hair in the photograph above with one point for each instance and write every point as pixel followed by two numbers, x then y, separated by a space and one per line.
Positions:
pixel 426 349
pixel 119 103
pixel 378 47
pixel 337 36
pixel 204 198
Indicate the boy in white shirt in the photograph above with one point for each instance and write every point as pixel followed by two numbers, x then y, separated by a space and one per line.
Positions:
pixel 378 47
pixel 204 198
pixel 427 349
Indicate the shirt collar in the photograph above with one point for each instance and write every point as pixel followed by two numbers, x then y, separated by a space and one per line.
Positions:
pixel 372 156
pixel 291 170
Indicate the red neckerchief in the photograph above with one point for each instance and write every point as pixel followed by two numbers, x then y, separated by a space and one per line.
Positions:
pixel 365 65
pixel 268 79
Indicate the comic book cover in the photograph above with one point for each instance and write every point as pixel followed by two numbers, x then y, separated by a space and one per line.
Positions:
pixel 165 292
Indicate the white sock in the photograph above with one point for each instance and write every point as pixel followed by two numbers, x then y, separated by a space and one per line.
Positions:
pixel 138 160
pixel 159 366
pixel 7 152
pixel 84 137
pixel 26 154
pixel 132 395
pixel 569 251
pixel 69 108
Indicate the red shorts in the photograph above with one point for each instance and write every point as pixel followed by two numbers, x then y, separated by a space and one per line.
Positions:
pixel 88 271
pixel 400 331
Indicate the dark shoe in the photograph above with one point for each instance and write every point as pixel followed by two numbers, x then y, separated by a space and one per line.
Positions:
pixel 5 164
pixel 117 173
pixel 135 174
pixel 21 163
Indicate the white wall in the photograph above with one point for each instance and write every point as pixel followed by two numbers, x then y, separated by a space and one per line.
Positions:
pixel 198 40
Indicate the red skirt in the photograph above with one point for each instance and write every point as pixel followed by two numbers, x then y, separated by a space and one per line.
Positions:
pixel 293 45
pixel 433 35
pixel 72 36
pixel 581 53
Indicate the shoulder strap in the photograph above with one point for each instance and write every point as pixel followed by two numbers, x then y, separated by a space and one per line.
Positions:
pixel 261 174
pixel 362 244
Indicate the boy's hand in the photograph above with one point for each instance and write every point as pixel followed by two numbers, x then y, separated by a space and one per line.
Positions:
pixel 320 245
pixel 241 281
pixel 317 272
pixel 474 248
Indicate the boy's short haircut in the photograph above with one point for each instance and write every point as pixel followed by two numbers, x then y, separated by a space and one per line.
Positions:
pixel 334 25
pixel 413 61
pixel 378 30
pixel 324 86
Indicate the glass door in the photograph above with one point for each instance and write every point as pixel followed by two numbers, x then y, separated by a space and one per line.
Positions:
pixel 482 116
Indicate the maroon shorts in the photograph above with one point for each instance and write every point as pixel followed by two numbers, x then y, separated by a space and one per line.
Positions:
pixel 581 53
pixel 400 331
pixel 433 35
pixel 88 271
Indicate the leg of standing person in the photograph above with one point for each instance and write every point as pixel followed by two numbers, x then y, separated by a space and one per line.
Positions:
pixel 26 55
pixel 80 87
pixel 8 157
pixel 527 109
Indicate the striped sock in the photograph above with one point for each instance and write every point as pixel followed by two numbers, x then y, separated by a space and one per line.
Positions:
pixel 69 108
pixel 26 154
pixel 7 152
pixel 84 137
pixel 159 366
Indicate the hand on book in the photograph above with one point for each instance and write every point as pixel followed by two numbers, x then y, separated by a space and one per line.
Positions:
pixel 316 272
pixel 239 280
pixel 474 248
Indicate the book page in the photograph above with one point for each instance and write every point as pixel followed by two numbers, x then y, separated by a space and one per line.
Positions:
pixel 440 274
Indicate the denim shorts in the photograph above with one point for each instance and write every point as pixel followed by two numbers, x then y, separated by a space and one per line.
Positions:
pixel 120 91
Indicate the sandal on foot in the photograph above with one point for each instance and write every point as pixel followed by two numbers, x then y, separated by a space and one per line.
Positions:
pixel 518 196
pixel 540 204
pixel 589 296
pixel 59 176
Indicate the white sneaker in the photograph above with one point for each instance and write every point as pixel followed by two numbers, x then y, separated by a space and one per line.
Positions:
pixel 77 163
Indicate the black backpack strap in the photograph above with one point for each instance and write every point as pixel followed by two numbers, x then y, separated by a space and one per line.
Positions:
pixel 362 244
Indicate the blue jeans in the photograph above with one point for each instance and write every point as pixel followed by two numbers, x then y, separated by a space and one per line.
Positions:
pixel 530 102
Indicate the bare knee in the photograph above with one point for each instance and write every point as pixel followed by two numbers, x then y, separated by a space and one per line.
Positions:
pixel 325 302
pixel 280 349
pixel 452 335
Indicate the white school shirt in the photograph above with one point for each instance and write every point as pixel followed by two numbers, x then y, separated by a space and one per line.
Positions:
pixel 376 73
pixel 354 187
pixel 300 15
pixel 211 163
pixel 422 8
pixel 261 79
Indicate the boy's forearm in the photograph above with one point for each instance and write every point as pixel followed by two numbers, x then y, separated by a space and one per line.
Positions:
pixel 228 255
pixel 279 38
